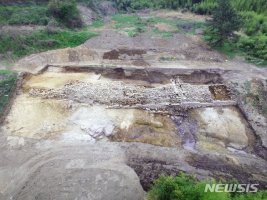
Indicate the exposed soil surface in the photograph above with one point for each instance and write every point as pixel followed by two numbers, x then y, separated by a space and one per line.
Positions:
pixel 103 120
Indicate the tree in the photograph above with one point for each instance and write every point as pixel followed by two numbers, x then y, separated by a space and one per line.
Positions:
pixel 225 21
pixel 66 12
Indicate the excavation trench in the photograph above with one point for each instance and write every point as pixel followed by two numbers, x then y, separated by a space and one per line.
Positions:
pixel 151 75
pixel 130 105
pixel 184 110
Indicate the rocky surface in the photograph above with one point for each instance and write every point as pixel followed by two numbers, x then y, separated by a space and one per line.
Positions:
pixel 252 98
pixel 227 126
pixel 129 95
pixel 50 170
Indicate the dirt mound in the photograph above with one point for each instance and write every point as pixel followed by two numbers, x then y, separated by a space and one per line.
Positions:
pixel 37 62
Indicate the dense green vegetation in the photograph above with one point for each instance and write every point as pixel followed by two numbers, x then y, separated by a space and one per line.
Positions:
pixel 225 21
pixel 186 187
pixel 62 20
pixel 24 15
pixel 252 40
pixel 207 6
pixel 200 6
pixel 21 45
pixel 7 85
pixel 65 12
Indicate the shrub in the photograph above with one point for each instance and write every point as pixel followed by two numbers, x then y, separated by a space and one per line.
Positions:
pixel 254 46
pixel 205 7
pixel 259 6
pixel 225 21
pixel 254 23
pixel 7 85
pixel 66 12
pixel 182 187
pixel 185 187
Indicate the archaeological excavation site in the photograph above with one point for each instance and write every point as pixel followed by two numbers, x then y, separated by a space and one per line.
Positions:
pixel 104 120
pixel 85 118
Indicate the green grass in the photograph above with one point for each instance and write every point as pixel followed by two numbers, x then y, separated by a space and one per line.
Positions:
pixel 157 20
pixel 177 26
pixel 7 85
pixel 21 45
pixel 124 20
pixel 97 24
pixel 132 25
pixel 24 15
pixel 162 34
pixel 231 50
pixel 186 187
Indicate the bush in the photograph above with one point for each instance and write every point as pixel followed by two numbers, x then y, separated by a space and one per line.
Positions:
pixel 254 23
pixel 182 187
pixel 204 7
pixel 259 6
pixel 254 46
pixel 66 12
pixel 225 21
pixel 7 86
pixel 185 187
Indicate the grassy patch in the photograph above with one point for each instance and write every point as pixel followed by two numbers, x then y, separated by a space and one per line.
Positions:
pixel 157 20
pixel 133 25
pixel 124 20
pixel 21 45
pixel 24 15
pixel 7 85
pixel 129 24
pixel 97 24
pixel 175 26
pixel 163 34
pixel 189 27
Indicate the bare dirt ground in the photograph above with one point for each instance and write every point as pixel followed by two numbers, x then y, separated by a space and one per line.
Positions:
pixel 103 120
